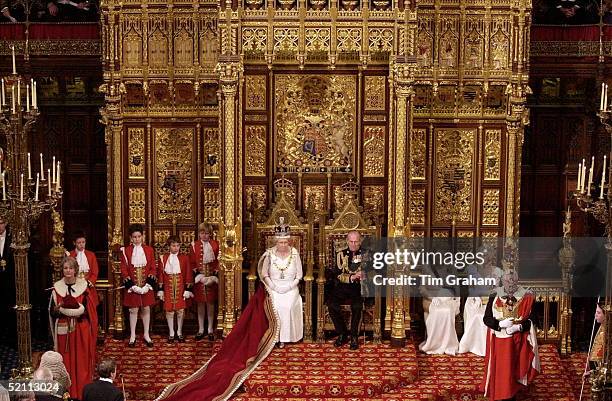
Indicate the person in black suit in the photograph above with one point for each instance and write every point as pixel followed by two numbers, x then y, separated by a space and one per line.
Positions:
pixel 7 283
pixel 103 389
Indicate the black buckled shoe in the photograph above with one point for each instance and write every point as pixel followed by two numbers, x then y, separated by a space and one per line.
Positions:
pixel 341 340
pixel 199 336
pixel 211 337
pixel 181 338
pixel 354 343
pixel 170 339
pixel 132 344
pixel 149 343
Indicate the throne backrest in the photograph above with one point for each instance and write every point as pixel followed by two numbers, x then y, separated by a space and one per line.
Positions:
pixel 283 207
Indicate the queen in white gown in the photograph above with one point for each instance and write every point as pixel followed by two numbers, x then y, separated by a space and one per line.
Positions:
pixel 281 271
pixel 440 323
pixel 474 338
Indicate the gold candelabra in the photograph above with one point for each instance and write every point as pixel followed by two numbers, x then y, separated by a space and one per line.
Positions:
pixel 597 200
pixel 26 193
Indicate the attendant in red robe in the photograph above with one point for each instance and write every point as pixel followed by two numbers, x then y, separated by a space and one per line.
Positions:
pixel 139 279
pixel 88 263
pixel 176 281
pixel 203 255
pixel 511 359
pixel 74 325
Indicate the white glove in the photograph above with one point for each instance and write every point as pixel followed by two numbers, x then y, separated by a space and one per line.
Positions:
pixel 213 280
pixel 281 289
pixel 13 20
pixel 144 289
pixel 135 289
pixel 160 295
pixel 199 278
pixel 515 328
pixel 187 294
pixel 504 324
pixel 208 280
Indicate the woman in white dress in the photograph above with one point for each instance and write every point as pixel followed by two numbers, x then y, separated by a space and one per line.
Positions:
pixel 440 323
pixel 474 338
pixel 281 271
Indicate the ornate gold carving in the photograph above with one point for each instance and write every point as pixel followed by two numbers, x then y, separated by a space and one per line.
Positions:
pixel 492 154
pixel 424 52
pixel 158 42
pixel 317 39
pixel 254 40
pixel 440 234
pixel 285 40
pixel 417 206
pixel 315 124
pixel 374 117
pixel 260 195
pixel 349 39
pixel 255 156
pixel 209 44
pixel 374 152
pixel 448 43
pixel 499 44
pixel 211 204
pixel 132 42
pixel 465 234
pixel 186 236
pixel 136 199
pixel 373 199
pixel 418 153
pixel 454 150
pixel 375 99
pixel 490 207
pixel 474 44
pixel 380 40
pixel 489 234
pixel 255 92
pixel 183 42
pixel 211 152
pixel 417 234
pixel 317 194
pixel 159 241
pixel 136 146
pixel 174 170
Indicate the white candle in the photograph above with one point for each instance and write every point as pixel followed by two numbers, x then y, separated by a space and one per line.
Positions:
pixel 19 92
pixel 579 177
pixel 21 197
pixel 34 96
pixel 28 98
pixel 582 185
pixel 13 99
pixel 49 175
pixel 2 96
pixel 591 175
pixel 14 65
pixel 606 98
pixel 603 179
pixel 3 187
pixel 42 170
pixel 601 100
pixel 29 167
pixel 53 166
pixel 57 181
pixel 36 193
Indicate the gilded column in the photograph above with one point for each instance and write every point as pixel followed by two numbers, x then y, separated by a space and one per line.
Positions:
pixel 57 252
pixel 230 70
pixel 566 261
pixel 399 184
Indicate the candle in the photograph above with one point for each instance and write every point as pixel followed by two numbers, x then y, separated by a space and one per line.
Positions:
pixel 14 65
pixel 19 92
pixel 3 187
pixel 583 176
pixel 2 96
pixel 29 168
pixel 578 182
pixel 606 98
pixel 603 179
pixel 57 181
pixel 34 96
pixel 42 171
pixel 28 98
pixel 49 175
pixel 13 99
pixel 21 197
pixel 53 166
pixel 601 100
pixel 36 193
pixel 591 175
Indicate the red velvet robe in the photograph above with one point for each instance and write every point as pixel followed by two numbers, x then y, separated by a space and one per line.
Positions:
pixel 92 275
pixel 173 297
pixel 211 292
pixel 128 272
pixel 510 363
pixel 75 337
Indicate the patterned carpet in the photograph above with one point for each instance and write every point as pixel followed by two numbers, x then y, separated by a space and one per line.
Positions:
pixel 321 372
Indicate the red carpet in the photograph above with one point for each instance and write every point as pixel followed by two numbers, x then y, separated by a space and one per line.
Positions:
pixel 321 372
